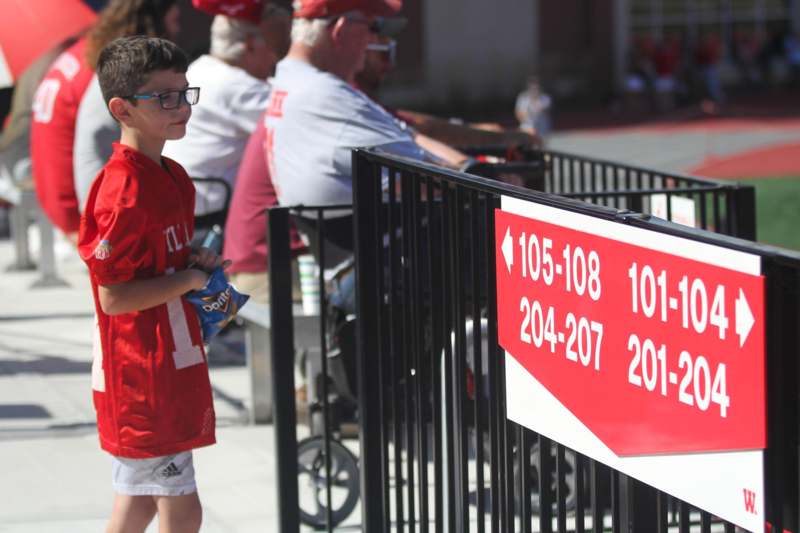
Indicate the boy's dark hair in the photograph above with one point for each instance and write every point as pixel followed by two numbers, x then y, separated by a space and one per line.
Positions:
pixel 125 64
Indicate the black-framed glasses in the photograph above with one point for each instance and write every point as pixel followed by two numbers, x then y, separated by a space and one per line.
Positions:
pixel 172 99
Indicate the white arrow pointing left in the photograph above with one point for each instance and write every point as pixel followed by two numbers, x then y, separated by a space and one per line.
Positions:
pixel 508 249
pixel 744 318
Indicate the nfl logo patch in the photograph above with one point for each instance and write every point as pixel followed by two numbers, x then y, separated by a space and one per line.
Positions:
pixel 103 250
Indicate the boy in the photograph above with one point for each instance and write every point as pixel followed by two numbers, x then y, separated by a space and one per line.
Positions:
pixel 149 377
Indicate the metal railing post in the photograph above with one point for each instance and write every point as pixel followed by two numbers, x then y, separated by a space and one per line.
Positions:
pixel 366 200
pixel 282 335
pixel 20 220
pixel 48 277
pixel 744 212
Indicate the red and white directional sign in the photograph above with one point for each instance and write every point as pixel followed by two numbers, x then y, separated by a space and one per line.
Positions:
pixel 642 350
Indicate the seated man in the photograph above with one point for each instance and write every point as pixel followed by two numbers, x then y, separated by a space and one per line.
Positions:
pixel 233 77
pixel 246 227
pixel 315 117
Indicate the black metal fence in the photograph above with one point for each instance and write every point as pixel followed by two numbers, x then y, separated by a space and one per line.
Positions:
pixel 721 206
pixel 435 449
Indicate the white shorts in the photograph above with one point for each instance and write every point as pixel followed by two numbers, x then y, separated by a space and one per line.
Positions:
pixel 170 475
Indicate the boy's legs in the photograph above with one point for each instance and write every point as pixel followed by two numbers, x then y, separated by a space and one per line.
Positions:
pixel 179 514
pixel 131 514
pixel 163 485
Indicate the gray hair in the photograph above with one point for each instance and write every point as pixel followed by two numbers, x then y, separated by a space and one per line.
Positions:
pixel 228 35
pixel 308 31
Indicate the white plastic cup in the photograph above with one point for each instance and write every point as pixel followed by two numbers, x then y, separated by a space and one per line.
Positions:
pixel 309 283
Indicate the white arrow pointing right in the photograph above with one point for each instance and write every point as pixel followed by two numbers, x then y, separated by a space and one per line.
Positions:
pixel 508 249
pixel 744 318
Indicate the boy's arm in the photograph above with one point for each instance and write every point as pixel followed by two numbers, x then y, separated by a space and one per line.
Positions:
pixel 136 295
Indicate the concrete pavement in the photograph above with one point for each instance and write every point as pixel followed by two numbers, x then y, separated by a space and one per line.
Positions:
pixel 53 475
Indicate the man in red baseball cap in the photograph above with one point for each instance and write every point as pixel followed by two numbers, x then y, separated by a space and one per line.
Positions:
pixel 315 117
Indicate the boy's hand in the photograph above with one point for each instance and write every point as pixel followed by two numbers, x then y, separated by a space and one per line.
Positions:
pixel 207 260
pixel 197 278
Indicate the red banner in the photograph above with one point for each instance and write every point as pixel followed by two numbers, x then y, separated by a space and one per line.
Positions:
pixel 655 352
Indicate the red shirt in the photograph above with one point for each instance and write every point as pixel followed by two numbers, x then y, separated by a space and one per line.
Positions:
pixel 55 109
pixel 150 378
pixel 246 227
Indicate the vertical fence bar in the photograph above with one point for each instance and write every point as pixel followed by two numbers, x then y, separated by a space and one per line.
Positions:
pixel 449 426
pixel 434 274
pixel 282 340
pixel 683 517
pixel 562 493
pixel 781 455
pixel 545 490
pixel 366 199
pixel 380 228
pixel 494 388
pixel 596 492
pixel 394 354
pixel 703 200
pixel 408 345
pixel 715 212
pixel 579 490
pixel 421 368
pixel 744 212
pixel 476 254
pixel 524 445
pixel 459 361
pixel 323 354
pixel 615 497
pixel 662 508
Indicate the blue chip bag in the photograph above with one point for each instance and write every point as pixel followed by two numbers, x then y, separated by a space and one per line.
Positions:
pixel 216 303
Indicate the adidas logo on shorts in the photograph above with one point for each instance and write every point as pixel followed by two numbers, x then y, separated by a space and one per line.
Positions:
pixel 171 470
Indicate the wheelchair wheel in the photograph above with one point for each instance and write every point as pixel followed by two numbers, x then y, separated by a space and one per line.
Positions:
pixel 568 486
pixel 313 482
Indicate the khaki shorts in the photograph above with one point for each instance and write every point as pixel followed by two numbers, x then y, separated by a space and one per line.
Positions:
pixel 256 284
pixel 170 475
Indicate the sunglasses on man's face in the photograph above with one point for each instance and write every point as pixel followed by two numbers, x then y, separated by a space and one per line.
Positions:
pixel 172 99
pixel 388 48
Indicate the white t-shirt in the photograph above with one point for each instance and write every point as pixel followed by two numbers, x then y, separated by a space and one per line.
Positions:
pixel 314 119
pixel 231 102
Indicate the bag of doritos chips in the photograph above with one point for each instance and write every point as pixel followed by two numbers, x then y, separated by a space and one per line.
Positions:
pixel 216 303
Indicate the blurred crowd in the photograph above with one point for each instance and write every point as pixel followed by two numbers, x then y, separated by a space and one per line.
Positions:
pixel 675 69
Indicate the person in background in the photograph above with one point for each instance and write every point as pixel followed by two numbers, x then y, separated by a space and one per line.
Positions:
pixel 315 116
pixel 55 104
pixel 707 56
pixel 244 51
pixel 15 147
pixel 532 109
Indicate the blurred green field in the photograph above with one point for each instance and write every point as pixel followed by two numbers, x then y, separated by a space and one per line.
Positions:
pixel 777 210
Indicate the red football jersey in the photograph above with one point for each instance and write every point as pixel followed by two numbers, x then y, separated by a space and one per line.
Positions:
pixel 150 378
pixel 55 110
